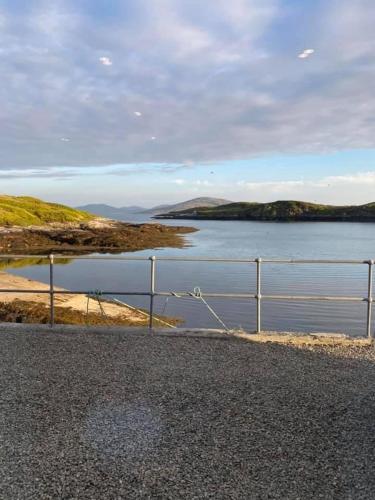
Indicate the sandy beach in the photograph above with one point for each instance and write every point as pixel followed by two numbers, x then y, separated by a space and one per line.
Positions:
pixel 69 301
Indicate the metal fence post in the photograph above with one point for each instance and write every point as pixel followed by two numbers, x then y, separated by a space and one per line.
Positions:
pixel 259 295
pixel 51 292
pixel 152 290
pixel 369 298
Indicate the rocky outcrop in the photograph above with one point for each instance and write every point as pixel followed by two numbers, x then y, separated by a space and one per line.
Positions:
pixel 99 235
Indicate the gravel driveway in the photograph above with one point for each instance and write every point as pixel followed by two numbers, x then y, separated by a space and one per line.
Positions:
pixel 93 416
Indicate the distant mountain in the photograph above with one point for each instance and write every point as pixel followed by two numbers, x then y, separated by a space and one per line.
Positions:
pixel 186 205
pixel 122 213
pixel 278 211
pixel 110 212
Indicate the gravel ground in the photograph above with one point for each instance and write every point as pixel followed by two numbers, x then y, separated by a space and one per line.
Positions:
pixel 92 416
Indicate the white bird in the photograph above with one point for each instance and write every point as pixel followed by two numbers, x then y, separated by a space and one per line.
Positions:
pixel 306 53
pixel 64 139
pixel 137 113
pixel 106 61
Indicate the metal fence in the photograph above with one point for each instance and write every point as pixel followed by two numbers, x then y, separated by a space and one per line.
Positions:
pixel 152 292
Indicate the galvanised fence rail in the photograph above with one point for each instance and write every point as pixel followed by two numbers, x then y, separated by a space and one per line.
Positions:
pixel 152 292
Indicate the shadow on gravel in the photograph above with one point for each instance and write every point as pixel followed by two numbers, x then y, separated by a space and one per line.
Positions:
pixel 120 416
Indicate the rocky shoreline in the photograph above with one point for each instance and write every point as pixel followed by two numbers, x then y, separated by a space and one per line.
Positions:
pixel 99 235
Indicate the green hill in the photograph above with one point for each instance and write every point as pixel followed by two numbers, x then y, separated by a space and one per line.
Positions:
pixel 27 211
pixel 279 211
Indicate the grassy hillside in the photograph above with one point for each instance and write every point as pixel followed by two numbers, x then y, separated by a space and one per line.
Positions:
pixel 27 211
pixel 279 211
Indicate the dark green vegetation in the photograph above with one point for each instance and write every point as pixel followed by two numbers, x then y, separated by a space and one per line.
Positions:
pixel 279 211
pixel 20 311
pixel 27 211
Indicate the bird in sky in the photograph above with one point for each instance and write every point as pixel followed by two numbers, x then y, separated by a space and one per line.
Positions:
pixel 306 53
pixel 106 61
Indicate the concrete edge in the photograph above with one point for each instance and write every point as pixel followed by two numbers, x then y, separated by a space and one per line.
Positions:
pixel 305 339
pixel 295 338
pixel 141 331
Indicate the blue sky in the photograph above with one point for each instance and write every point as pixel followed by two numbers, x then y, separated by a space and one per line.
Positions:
pixel 147 101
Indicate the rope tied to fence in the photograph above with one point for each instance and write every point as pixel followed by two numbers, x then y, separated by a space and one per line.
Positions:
pixel 197 294
pixel 96 294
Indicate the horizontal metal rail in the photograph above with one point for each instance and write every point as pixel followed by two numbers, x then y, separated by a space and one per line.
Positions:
pixel 72 292
pixel 184 259
pixel 191 294
pixel 335 298
pixel 152 293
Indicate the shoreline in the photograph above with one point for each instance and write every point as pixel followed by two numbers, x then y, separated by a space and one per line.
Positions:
pixel 97 236
pixel 74 308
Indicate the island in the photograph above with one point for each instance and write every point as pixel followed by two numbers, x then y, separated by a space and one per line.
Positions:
pixel 283 211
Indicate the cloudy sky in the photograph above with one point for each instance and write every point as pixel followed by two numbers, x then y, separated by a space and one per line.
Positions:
pixel 147 101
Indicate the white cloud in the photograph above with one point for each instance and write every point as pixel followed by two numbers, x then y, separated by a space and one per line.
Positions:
pixel 181 31
pixel 341 189
pixel 364 178
pixel 192 183
pixel 35 173
pixel 272 187
pixel 356 188
pixel 244 13
pixel 347 29
pixel 54 20
pixel 217 80
pixel 3 20
pixel 202 183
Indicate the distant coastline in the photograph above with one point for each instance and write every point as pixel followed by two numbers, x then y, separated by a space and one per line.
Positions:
pixel 31 226
pixel 278 211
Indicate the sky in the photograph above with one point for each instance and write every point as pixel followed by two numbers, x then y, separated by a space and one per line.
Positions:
pixel 151 101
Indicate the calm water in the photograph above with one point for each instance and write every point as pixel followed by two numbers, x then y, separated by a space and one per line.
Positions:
pixel 234 239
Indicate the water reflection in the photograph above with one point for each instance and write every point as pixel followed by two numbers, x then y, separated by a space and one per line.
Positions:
pixel 242 240
pixel 8 264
